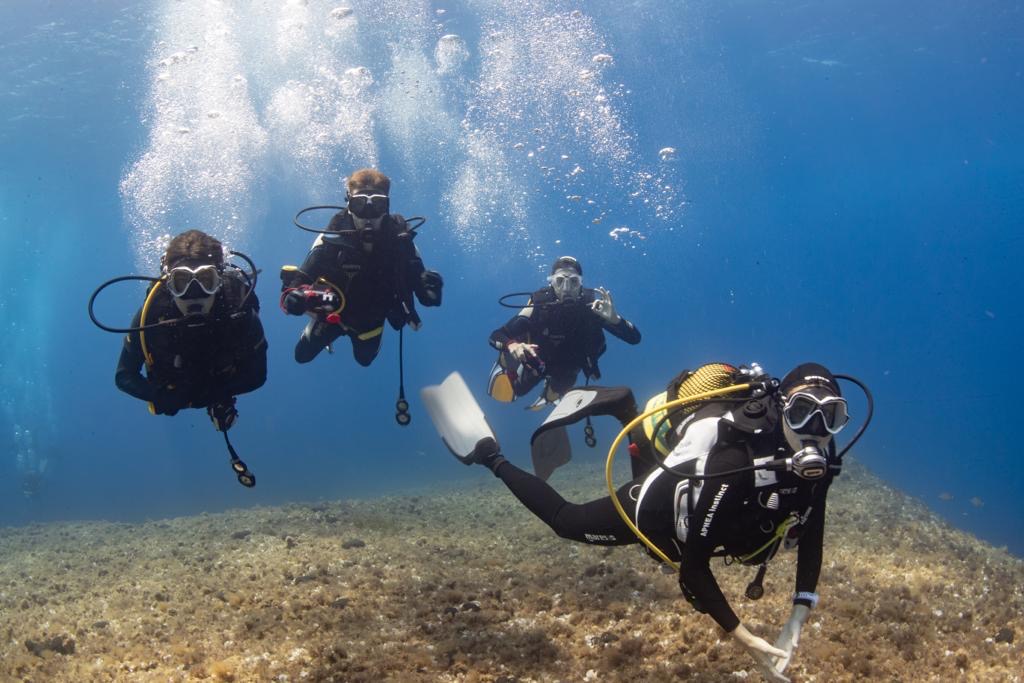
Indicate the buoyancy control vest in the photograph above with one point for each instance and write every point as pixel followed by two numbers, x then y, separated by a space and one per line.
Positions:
pixel 376 282
pixel 744 424
pixel 568 332
pixel 774 515
pixel 209 348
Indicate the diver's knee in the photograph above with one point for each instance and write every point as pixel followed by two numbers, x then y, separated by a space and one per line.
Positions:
pixel 305 352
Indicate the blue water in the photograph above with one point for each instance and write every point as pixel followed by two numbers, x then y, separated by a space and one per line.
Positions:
pixel 846 187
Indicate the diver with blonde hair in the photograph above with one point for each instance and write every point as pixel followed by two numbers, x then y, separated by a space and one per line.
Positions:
pixel 361 271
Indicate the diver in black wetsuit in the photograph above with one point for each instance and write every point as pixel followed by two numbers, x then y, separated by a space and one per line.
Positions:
pixel 350 283
pixel 205 360
pixel 745 515
pixel 558 334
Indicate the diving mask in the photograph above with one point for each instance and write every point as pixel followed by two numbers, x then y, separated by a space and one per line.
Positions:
pixel 368 206
pixel 180 279
pixel 801 407
pixel 566 283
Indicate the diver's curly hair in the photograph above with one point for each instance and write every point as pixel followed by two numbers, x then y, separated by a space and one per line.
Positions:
pixel 368 179
pixel 193 245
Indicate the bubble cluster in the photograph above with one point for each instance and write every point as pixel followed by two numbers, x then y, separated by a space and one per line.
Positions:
pixel 198 171
pixel 544 95
pixel 414 115
pixel 627 236
pixel 450 53
pixel 303 91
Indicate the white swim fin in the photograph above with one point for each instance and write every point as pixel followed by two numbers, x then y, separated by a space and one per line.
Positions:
pixel 458 418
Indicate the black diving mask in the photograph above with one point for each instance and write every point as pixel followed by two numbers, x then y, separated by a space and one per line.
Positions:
pixel 368 206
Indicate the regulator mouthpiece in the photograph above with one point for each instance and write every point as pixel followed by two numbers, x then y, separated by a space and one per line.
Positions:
pixel 808 463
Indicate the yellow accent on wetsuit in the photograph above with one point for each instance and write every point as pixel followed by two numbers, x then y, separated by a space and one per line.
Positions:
pixel 376 332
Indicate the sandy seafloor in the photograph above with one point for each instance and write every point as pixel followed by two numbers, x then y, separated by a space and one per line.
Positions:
pixel 464 584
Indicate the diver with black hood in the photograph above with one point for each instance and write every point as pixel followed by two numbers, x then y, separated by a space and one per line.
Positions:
pixel 744 469
pixel 555 336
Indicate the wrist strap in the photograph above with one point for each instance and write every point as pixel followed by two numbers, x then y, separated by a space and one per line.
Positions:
pixel 806 598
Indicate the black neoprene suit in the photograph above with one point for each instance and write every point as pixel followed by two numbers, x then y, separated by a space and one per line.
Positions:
pixel 375 283
pixel 569 336
pixel 217 361
pixel 726 515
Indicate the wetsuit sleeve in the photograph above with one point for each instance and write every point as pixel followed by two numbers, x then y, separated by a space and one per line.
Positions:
pixel 810 549
pixel 128 376
pixel 624 330
pixel 426 284
pixel 312 267
pixel 252 369
pixel 317 261
pixel 716 510
pixel 516 329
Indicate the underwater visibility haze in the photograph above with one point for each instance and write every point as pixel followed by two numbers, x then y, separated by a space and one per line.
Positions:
pixel 753 181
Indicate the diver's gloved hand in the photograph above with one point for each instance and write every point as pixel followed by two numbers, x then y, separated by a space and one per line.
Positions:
pixel 604 307
pixel 294 302
pixel 222 414
pixel 789 639
pixel 432 284
pixel 764 654
pixel 524 353
pixel 168 400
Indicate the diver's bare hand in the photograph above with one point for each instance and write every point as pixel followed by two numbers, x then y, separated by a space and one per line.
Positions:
pixel 764 654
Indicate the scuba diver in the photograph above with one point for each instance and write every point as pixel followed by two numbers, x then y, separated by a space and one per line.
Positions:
pixel 204 364
pixel 557 334
pixel 361 271
pixel 747 464
pixel 198 335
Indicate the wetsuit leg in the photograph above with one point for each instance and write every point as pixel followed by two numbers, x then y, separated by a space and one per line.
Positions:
pixel 561 380
pixel 321 334
pixel 365 350
pixel 596 522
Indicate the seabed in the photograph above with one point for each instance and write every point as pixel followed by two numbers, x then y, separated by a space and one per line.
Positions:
pixel 463 584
